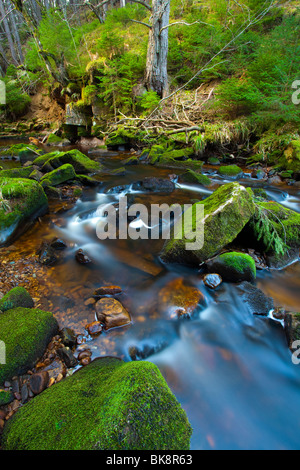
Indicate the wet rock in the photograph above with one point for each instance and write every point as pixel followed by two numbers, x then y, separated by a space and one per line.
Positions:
pixel 85 361
pixel 146 339
pixel 111 313
pixel 257 302
pixel 24 393
pixel 55 368
pixel 212 280
pixel 58 244
pixel 107 290
pixel 227 211
pixel 82 258
pixel 83 354
pixel 157 185
pixel 39 382
pixel 47 255
pixel 67 356
pixel 292 328
pixel 179 299
pixel 68 337
pixel 275 180
pixel 95 328
pixel 233 267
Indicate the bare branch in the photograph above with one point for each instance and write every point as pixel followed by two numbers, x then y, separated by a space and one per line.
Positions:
pixel 184 23
pixel 141 22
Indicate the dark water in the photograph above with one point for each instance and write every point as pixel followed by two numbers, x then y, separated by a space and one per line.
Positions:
pixel 231 371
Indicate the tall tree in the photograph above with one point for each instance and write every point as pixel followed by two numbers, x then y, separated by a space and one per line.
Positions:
pixel 4 18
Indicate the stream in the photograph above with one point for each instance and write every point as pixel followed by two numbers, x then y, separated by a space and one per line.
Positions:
pixel 231 371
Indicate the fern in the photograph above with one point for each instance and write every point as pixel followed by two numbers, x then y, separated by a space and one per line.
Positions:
pixel 266 232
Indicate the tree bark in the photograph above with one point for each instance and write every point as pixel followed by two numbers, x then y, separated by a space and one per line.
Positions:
pixel 11 45
pixel 156 78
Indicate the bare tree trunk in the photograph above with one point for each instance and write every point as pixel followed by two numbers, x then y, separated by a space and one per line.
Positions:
pixel 16 36
pixel 122 3
pixel 156 69
pixel 11 45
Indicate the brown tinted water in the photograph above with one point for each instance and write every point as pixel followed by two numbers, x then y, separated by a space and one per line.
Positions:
pixel 231 371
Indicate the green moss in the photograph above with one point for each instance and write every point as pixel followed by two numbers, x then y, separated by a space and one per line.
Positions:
pixel 230 170
pixel 234 267
pixel 16 172
pixel 25 333
pixel 59 176
pixel 17 297
pixel 16 149
pixel 108 405
pixel 6 397
pixel 193 177
pixel 226 212
pixel 80 162
pixel 214 161
pixel 22 201
pixel 54 139
pixel 291 157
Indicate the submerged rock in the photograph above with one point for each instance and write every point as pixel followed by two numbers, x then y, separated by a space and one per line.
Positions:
pixel 124 406
pixel 82 258
pixel 233 267
pixel 157 185
pixel 226 212
pixel 179 299
pixel 111 313
pixel 212 280
pixel 46 255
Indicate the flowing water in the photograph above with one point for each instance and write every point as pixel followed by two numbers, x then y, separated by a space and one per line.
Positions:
pixel 231 371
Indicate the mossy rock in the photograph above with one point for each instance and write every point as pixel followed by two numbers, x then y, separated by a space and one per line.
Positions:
pixel 61 175
pixel 226 212
pixel 54 139
pixel 26 333
pixel 107 405
pixel 233 267
pixel 22 201
pixel 17 297
pixel 231 171
pixel 87 180
pixel 28 150
pixel 6 397
pixel 214 161
pixel 194 177
pixel 291 157
pixel 131 161
pixel 24 172
pixel 80 162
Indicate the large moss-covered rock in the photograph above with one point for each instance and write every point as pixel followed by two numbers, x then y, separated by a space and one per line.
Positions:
pixel 230 171
pixel 26 151
pixel 195 177
pixel 80 162
pixel 21 202
pixel 25 333
pixel 233 267
pixel 60 175
pixel 226 212
pixel 16 297
pixel 108 405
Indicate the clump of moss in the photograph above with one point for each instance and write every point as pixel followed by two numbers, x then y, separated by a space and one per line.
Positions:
pixel 6 397
pixel 17 297
pixel 80 162
pixel 16 149
pixel 16 172
pixel 230 171
pixel 108 405
pixel 25 333
pixel 54 139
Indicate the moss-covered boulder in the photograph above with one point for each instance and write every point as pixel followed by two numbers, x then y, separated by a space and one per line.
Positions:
pixel 6 397
pixel 230 171
pixel 276 230
pixel 25 333
pixel 16 297
pixel 21 202
pixel 59 176
pixel 226 212
pixel 17 172
pixel 26 151
pixel 80 162
pixel 107 405
pixel 233 267
pixel 55 140
pixel 195 177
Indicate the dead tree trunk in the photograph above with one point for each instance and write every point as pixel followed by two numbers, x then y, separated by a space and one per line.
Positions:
pixel 156 77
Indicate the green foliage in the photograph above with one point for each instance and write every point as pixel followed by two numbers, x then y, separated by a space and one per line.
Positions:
pixel 149 100
pixel 266 232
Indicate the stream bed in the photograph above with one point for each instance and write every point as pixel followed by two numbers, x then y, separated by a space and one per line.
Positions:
pixel 231 371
